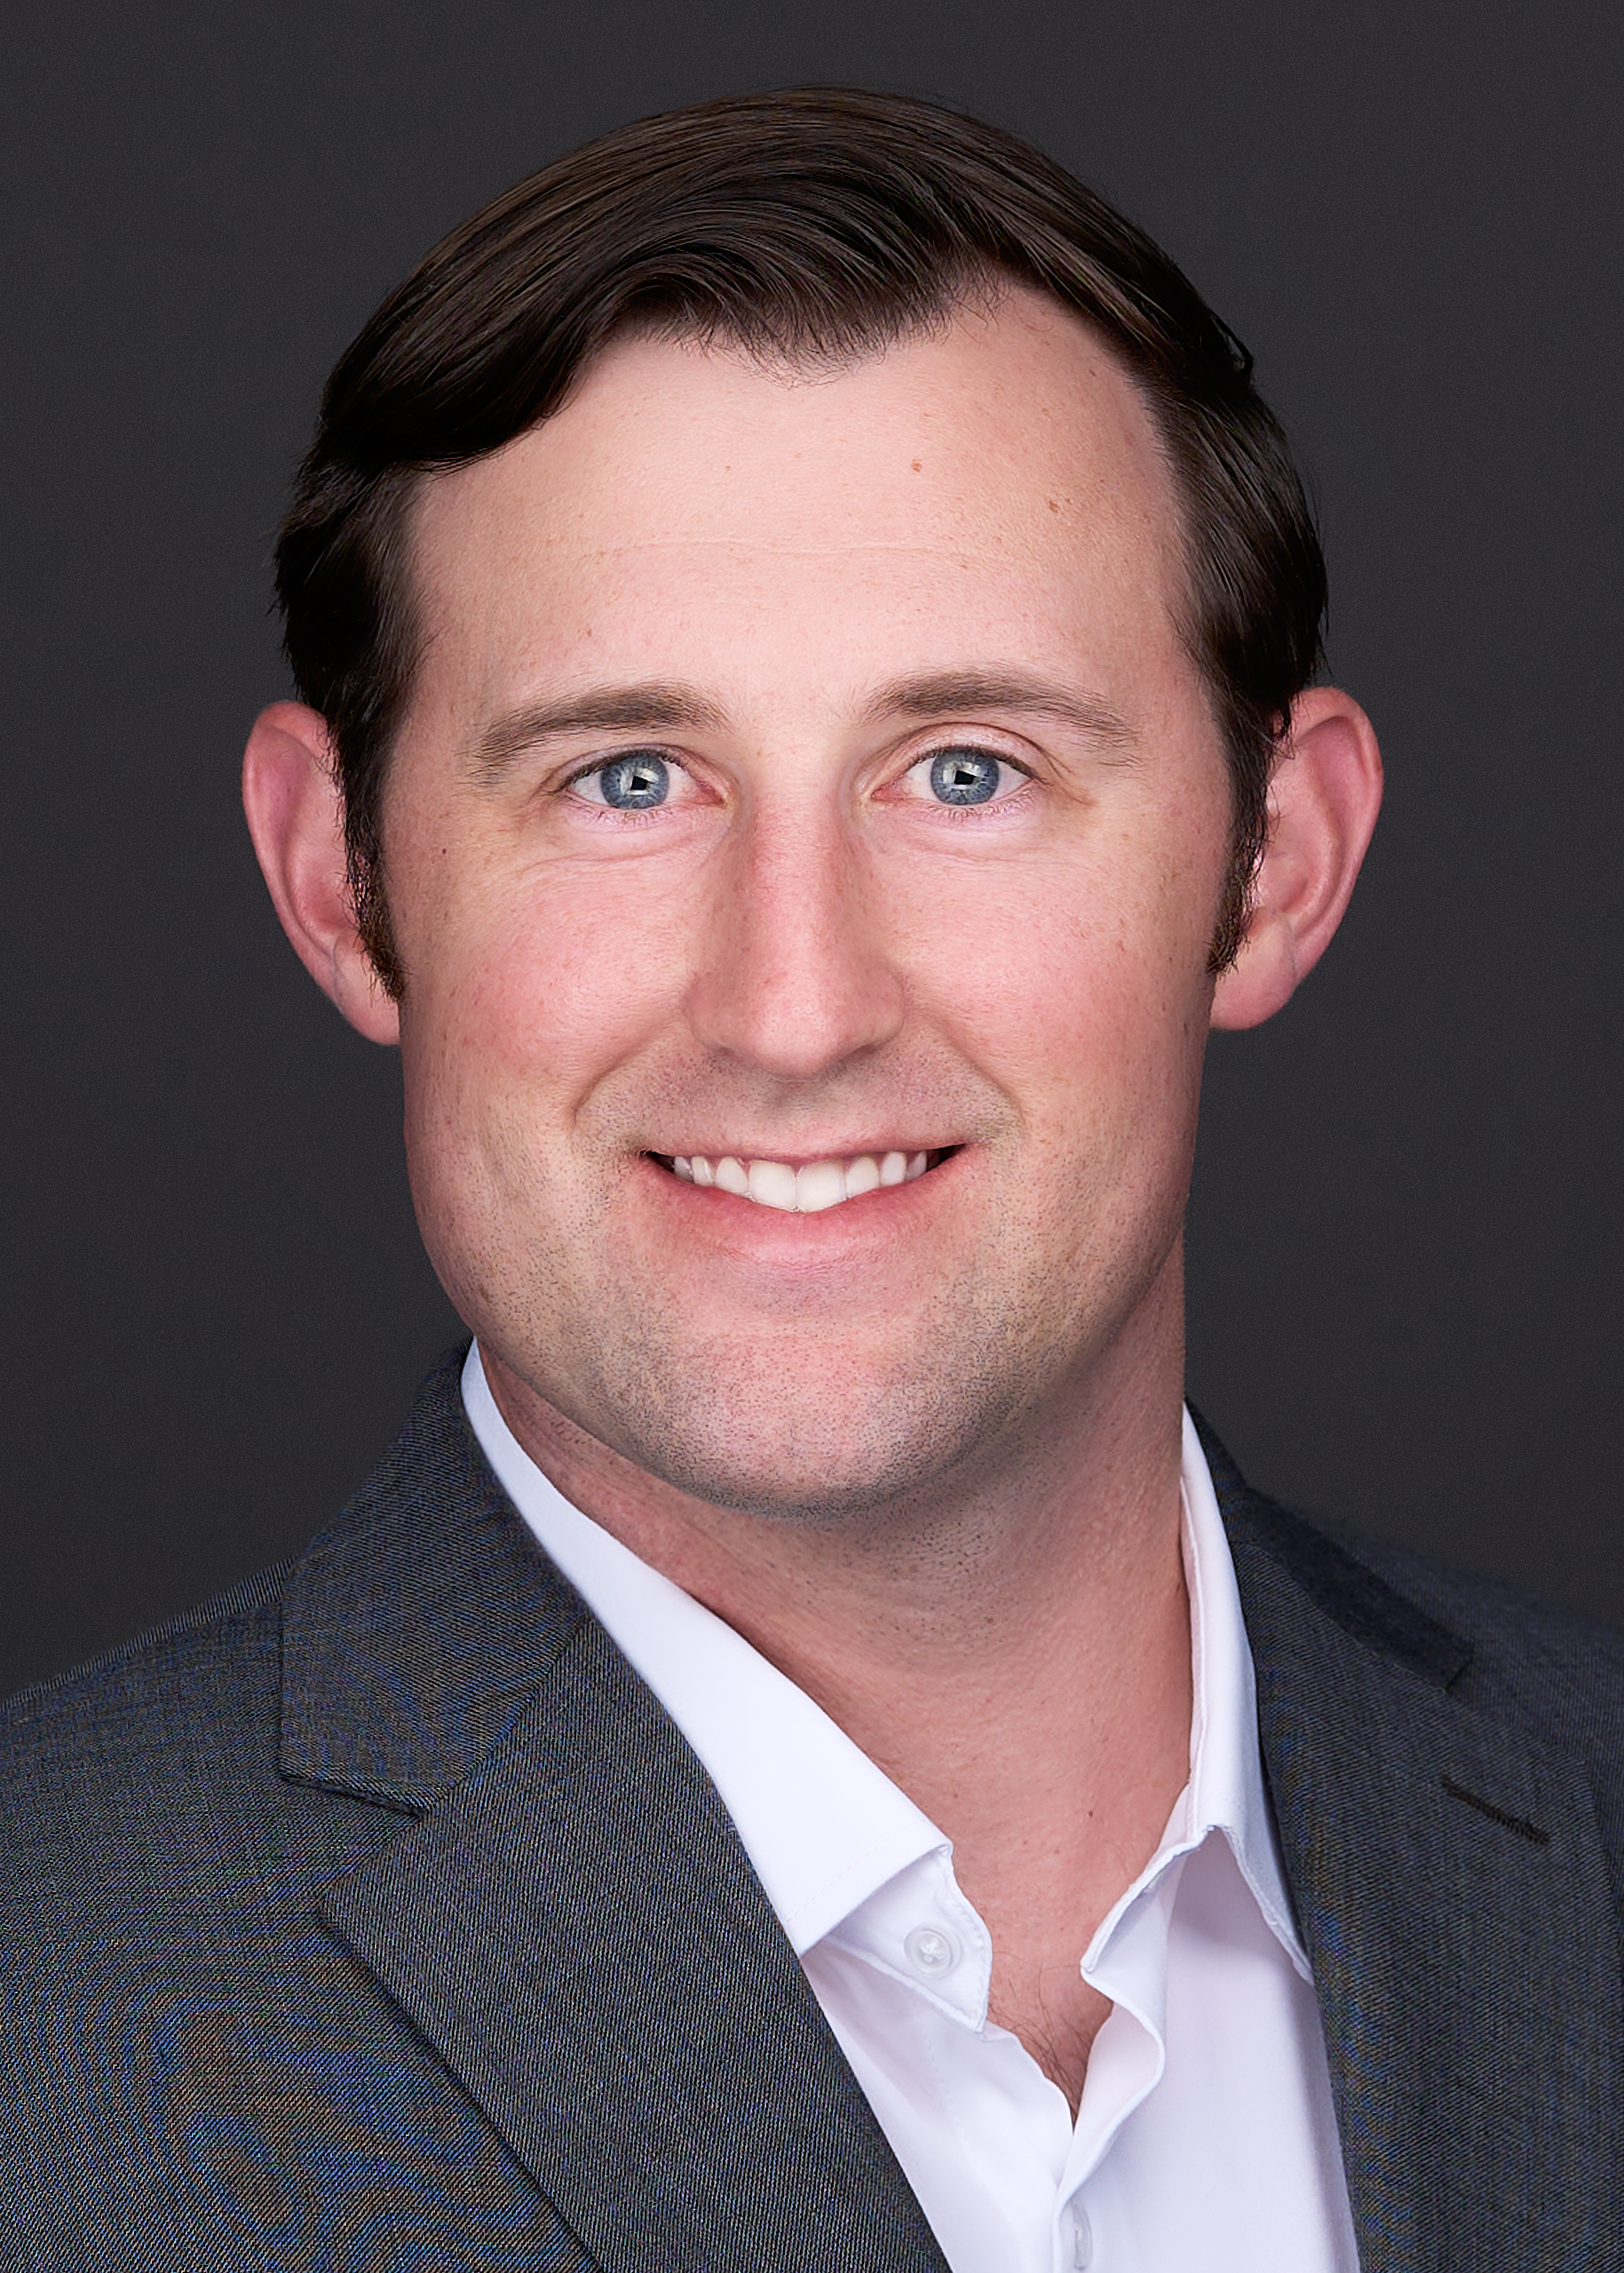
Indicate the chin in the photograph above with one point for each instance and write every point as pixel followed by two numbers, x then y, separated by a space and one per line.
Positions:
pixel 850 1460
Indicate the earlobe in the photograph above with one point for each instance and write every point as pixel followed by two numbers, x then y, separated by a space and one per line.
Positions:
pixel 1323 803
pixel 295 818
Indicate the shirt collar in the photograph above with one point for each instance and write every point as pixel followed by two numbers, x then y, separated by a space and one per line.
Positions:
pixel 824 1829
pixel 1226 1791
pixel 822 1825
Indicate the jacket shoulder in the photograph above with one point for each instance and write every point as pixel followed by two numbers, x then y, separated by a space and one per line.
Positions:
pixel 153 1766
pixel 192 1672
pixel 1487 1643
pixel 181 2027
pixel 265 1736
pixel 1564 1671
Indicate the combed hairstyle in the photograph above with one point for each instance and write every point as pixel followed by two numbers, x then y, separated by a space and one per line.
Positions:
pixel 814 225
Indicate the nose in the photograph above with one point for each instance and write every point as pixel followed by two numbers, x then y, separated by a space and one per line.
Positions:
pixel 796 977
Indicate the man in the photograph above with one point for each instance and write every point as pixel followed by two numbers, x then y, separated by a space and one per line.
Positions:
pixel 803 1757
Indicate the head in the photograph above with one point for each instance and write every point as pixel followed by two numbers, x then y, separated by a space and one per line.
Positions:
pixel 803 622
pixel 813 229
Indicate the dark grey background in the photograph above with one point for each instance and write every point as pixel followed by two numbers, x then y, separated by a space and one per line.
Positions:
pixel 1405 1238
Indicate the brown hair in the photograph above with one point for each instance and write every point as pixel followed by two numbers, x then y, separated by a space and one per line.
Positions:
pixel 814 224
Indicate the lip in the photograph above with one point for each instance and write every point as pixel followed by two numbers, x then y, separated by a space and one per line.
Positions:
pixel 783 1236
pixel 935 1154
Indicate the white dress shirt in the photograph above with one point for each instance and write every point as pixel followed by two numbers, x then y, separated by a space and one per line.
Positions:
pixel 1205 2142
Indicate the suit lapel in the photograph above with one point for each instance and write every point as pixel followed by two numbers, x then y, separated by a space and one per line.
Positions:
pixel 1453 1895
pixel 571 1922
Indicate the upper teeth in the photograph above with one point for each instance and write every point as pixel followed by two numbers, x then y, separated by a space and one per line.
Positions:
pixel 825 1184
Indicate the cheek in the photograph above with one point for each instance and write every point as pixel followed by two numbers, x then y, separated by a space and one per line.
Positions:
pixel 534 978
pixel 503 1045
pixel 500 1046
pixel 1081 990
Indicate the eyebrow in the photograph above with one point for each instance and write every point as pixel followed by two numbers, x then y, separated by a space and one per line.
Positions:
pixel 662 706
pixel 941 692
pixel 657 707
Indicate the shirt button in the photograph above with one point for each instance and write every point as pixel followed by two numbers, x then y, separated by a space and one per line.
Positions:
pixel 1082 2239
pixel 931 1951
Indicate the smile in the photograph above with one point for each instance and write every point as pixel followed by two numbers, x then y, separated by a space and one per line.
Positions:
pixel 804 1191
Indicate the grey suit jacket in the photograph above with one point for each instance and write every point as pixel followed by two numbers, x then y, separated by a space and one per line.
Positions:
pixel 375 1916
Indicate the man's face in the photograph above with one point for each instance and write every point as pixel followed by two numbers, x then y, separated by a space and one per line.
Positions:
pixel 806 770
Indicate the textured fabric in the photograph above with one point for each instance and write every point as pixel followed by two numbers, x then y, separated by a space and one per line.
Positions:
pixel 1206 2134
pixel 1446 1765
pixel 376 1916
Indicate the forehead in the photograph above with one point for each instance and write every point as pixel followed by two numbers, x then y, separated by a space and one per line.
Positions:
pixel 998 483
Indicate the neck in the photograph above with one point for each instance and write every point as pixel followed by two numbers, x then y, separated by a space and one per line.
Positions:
pixel 1019 1663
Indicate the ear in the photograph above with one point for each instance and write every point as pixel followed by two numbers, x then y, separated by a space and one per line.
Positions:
pixel 1323 803
pixel 296 818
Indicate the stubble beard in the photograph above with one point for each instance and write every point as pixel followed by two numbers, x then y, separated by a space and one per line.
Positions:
pixel 817 1424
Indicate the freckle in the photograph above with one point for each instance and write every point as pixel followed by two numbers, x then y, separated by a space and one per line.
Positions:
pixel 1052 506
pixel 919 465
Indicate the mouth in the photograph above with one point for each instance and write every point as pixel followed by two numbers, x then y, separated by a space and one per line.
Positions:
pixel 809 1189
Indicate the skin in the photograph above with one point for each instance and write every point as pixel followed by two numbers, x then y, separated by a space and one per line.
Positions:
pixel 922 1450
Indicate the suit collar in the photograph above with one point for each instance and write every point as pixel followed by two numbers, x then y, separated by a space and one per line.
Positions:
pixel 415 1629
pixel 1452 1891
pixel 571 1922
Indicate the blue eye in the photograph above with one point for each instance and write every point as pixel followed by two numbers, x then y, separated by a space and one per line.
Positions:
pixel 633 783
pixel 964 777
